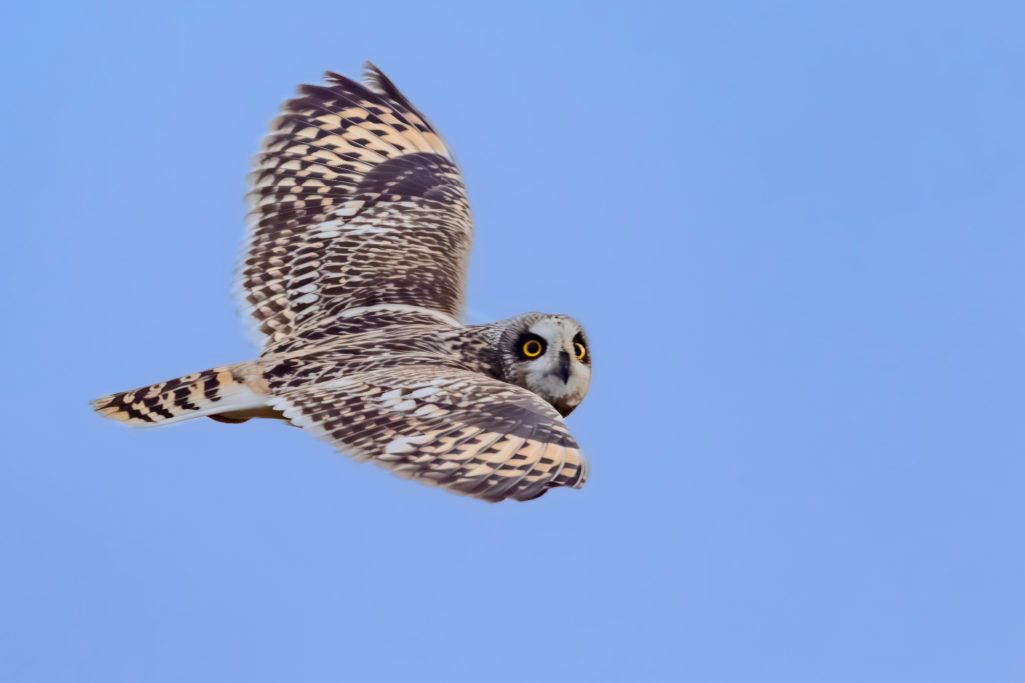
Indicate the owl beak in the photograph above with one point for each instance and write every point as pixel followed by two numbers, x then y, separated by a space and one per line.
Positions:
pixel 564 366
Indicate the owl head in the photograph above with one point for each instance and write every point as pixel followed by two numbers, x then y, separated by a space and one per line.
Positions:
pixel 547 354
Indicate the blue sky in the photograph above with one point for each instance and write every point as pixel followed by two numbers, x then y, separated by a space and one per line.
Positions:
pixel 794 231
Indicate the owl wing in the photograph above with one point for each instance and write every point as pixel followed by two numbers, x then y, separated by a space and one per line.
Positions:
pixel 356 203
pixel 453 428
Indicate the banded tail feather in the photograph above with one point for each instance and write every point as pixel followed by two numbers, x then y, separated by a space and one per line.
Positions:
pixel 223 393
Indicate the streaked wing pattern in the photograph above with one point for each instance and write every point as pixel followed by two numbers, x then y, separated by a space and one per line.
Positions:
pixel 452 428
pixel 356 202
pixel 354 273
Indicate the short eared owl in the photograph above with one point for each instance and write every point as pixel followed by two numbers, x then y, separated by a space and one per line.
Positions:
pixel 354 271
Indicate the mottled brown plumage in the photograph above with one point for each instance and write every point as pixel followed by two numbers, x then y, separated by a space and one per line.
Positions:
pixel 354 273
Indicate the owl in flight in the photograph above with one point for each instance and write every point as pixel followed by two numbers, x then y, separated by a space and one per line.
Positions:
pixel 354 275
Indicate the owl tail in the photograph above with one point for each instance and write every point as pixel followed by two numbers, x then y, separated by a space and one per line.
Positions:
pixel 223 394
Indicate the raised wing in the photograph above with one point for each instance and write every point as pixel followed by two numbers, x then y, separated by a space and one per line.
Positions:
pixel 356 203
pixel 452 428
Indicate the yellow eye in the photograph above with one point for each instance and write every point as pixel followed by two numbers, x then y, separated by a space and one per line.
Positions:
pixel 581 350
pixel 532 348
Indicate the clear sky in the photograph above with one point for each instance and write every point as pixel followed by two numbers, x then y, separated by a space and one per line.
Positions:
pixel 794 230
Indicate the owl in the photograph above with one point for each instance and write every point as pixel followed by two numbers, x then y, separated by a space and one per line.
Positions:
pixel 354 274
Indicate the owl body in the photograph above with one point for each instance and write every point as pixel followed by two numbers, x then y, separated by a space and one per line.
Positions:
pixel 491 350
pixel 354 274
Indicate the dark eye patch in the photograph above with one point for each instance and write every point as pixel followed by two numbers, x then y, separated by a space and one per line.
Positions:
pixel 521 344
pixel 579 339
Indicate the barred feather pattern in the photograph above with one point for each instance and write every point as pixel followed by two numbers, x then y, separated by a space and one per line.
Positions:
pixel 452 428
pixel 210 392
pixel 355 202
pixel 354 273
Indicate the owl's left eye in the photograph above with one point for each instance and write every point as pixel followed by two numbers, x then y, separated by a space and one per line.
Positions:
pixel 580 350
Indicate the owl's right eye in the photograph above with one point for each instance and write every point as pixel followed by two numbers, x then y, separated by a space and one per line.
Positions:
pixel 532 347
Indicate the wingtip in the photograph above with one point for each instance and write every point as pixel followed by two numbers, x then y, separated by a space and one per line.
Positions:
pixel 374 78
pixel 377 81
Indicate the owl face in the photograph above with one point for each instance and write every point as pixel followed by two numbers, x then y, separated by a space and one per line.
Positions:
pixel 548 354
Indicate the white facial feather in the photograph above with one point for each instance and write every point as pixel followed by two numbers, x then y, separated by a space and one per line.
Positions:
pixel 543 375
